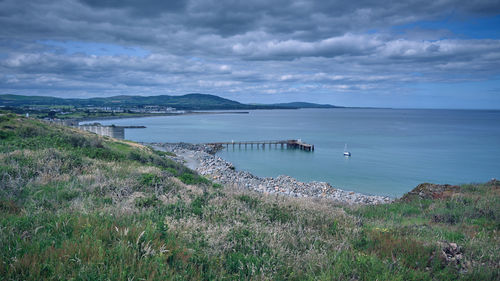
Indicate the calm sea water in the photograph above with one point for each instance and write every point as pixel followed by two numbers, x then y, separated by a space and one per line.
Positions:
pixel 392 150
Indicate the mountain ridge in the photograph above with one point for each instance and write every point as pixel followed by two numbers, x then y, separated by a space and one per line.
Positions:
pixel 192 101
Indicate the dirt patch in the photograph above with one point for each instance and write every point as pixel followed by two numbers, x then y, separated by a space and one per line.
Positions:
pixel 431 191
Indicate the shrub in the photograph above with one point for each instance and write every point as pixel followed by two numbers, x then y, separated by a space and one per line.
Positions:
pixel 333 227
pixel 279 214
pixel 251 202
pixel 198 203
pixel 146 202
pixel 9 206
pixel 189 178
pixel 383 243
pixel 163 153
pixel 76 140
pixel 149 179
pixel 102 153
pixel 30 131
pixel 248 254
pixel 6 135
pixel 172 171
pixel 137 156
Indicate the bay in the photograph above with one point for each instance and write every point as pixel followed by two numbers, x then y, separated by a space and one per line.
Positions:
pixel 393 150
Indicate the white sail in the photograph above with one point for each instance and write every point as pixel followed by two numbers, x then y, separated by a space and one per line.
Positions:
pixel 346 153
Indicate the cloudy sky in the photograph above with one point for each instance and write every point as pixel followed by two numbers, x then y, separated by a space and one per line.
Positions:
pixel 413 53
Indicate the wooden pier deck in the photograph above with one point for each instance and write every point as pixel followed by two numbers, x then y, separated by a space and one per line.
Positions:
pixel 298 144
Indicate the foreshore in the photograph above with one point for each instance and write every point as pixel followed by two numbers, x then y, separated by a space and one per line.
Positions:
pixel 144 115
pixel 202 159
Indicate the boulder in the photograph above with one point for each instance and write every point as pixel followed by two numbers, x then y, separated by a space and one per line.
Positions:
pixel 452 254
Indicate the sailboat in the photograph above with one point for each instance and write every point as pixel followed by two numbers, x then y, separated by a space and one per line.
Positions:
pixel 346 153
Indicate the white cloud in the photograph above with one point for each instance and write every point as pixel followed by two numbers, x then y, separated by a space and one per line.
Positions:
pixel 246 47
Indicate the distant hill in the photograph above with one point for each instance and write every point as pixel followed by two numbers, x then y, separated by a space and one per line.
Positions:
pixel 190 101
pixel 18 100
pixel 186 102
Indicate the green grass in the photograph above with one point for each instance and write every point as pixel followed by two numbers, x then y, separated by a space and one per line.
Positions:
pixel 190 178
pixel 75 206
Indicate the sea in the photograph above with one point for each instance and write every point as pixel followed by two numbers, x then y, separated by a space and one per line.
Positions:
pixel 393 150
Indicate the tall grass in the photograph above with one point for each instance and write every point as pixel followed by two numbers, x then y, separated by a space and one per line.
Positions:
pixel 77 206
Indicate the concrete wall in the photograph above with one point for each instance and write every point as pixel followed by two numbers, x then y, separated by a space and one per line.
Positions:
pixel 110 131
pixel 64 122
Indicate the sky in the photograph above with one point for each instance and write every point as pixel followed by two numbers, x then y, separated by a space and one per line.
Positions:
pixel 406 54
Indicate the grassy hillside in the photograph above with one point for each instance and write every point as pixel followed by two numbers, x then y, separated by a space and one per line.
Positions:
pixel 187 102
pixel 190 101
pixel 184 102
pixel 77 206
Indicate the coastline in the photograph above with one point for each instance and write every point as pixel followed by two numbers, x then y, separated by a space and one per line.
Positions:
pixel 94 118
pixel 202 159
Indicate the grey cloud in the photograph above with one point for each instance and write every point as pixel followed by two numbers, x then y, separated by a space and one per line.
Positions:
pixel 140 8
pixel 347 44
pixel 250 47
pixel 156 21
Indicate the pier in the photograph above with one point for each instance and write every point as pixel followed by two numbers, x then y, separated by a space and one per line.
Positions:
pixel 296 144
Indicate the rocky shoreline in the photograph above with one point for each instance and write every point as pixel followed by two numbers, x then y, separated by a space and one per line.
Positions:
pixel 203 160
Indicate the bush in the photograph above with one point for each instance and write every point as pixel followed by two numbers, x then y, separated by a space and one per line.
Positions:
pixel 146 202
pixel 251 202
pixel 4 135
pixel 248 254
pixel 172 171
pixel 198 203
pixel 30 132
pixel 138 156
pixel 9 206
pixel 102 153
pixel 189 178
pixel 163 153
pixel 276 213
pixel 149 179
pixel 412 253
